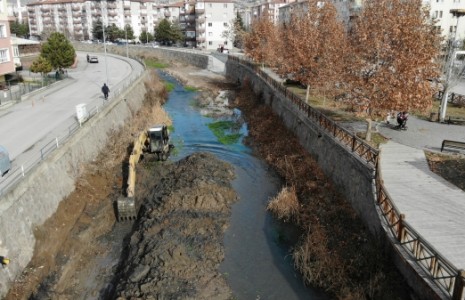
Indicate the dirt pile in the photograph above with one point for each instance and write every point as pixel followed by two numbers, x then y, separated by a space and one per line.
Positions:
pixel 176 248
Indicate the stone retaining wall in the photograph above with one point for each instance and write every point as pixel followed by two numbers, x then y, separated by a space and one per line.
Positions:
pixel 38 195
pixel 181 55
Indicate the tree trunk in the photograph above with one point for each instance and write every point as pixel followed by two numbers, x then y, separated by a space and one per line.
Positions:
pixel 368 133
pixel 308 94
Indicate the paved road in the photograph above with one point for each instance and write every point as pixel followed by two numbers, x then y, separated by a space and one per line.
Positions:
pixel 423 134
pixel 26 127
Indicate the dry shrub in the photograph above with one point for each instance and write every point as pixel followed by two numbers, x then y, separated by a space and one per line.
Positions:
pixel 285 206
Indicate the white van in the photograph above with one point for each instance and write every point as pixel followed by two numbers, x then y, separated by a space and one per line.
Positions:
pixel 5 163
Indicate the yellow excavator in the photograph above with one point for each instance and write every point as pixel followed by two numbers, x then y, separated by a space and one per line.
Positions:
pixel 155 140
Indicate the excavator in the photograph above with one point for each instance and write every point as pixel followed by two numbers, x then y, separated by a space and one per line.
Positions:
pixel 155 140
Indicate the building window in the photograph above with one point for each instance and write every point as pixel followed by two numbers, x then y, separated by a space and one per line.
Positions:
pixel 210 34
pixel 225 24
pixel 225 5
pixel 440 14
pixel 209 24
pixel 225 43
pixel 210 43
pixel 4 55
pixel 3 31
pixel 210 5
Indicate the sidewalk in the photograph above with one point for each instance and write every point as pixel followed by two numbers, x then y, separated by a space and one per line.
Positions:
pixel 432 205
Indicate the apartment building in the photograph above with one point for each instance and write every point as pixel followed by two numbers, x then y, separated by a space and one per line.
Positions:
pixel 6 50
pixel 75 18
pixel 450 26
pixel 213 17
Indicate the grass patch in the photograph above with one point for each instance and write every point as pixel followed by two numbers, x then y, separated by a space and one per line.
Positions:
pixel 154 63
pixel 224 132
pixel 336 110
pixel 376 138
pixel 190 88
pixel 453 110
pixel 169 86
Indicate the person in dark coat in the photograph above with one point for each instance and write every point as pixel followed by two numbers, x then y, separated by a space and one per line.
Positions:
pixel 105 91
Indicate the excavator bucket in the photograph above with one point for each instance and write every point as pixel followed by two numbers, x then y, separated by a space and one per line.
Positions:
pixel 126 207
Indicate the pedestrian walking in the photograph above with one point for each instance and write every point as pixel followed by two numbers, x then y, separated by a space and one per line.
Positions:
pixel 105 91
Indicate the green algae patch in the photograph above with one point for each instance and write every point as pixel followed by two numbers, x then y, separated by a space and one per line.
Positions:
pixel 226 131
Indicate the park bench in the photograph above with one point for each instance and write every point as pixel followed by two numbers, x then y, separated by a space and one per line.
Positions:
pixel 453 145
pixel 455 120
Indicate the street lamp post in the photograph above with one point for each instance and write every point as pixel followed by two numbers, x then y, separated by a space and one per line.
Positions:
pixel 126 37
pixel 105 50
pixel 447 85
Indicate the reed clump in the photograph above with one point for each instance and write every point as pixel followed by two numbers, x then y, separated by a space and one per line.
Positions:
pixel 285 206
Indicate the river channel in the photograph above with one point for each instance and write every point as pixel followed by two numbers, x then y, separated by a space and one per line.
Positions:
pixel 257 262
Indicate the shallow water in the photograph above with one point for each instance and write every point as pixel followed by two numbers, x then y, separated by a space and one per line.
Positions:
pixel 257 262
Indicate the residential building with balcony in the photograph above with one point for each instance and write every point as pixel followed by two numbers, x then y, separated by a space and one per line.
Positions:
pixel 212 18
pixel 6 50
pixel 75 18
pixel 449 25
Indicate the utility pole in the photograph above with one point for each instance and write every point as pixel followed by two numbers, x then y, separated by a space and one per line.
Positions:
pixel 450 64
pixel 126 36
pixel 105 50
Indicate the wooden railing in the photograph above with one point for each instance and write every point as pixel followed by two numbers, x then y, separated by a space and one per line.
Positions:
pixel 355 144
pixel 446 276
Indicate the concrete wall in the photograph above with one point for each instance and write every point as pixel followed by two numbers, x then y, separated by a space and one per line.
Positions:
pixel 35 199
pixel 179 55
pixel 349 174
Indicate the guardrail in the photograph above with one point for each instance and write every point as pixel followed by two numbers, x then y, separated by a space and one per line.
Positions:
pixel 67 129
pixel 448 278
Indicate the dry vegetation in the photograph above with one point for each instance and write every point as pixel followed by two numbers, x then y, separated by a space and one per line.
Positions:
pixel 451 167
pixel 285 206
pixel 336 252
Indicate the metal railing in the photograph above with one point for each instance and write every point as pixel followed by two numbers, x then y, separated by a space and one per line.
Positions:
pixel 66 130
pixel 13 92
pixel 447 277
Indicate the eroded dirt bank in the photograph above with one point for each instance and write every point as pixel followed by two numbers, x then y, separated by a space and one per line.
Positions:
pixel 176 248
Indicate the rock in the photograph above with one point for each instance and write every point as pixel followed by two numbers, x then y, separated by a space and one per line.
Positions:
pixel 139 273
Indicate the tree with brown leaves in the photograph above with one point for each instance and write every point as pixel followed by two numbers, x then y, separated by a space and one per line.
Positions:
pixel 394 52
pixel 315 44
pixel 260 42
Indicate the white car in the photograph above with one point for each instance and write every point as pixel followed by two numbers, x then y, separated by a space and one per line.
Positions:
pixel 93 59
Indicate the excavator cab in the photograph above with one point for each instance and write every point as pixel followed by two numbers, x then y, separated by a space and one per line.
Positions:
pixel 158 141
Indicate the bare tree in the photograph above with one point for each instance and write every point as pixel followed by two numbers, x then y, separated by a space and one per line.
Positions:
pixel 395 50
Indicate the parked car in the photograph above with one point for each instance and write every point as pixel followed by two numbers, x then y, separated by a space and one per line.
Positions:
pixel 93 59
pixel 5 163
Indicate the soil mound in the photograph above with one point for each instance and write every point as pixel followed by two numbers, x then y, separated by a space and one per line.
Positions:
pixel 176 248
